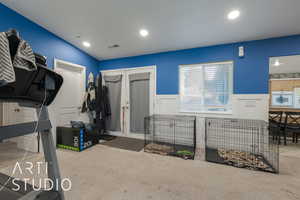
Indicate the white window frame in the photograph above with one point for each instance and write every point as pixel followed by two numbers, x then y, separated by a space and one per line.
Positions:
pixel 229 111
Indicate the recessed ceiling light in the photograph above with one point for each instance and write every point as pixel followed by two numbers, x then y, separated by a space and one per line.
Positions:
pixel 233 15
pixel 86 44
pixel 144 32
pixel 114 46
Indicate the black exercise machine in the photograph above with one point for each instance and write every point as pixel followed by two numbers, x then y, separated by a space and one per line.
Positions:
pixel 36 89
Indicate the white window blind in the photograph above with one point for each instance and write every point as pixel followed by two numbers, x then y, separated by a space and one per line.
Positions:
pixel 206 87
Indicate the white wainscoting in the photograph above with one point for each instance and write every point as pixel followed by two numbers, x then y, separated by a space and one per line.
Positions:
pixel 167 104
pixel 244 106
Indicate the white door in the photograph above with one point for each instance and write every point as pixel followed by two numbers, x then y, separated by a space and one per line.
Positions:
pixel 67 104
pixel 14 114
pixel 126 105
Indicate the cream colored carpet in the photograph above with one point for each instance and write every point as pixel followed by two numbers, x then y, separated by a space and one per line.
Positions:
pixel 105 173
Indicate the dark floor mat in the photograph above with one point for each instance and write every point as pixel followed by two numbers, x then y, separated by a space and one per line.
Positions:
pixel 107 137
pixel 130 144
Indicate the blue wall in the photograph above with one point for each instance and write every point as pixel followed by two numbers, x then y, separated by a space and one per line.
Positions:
pixel 45 42
pixel 250 72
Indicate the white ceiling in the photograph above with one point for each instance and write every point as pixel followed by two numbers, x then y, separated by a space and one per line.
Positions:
pixel 172 24
pixel 288 64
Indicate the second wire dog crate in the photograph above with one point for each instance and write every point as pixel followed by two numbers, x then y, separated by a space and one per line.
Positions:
pixel 241 143
pixel 171 135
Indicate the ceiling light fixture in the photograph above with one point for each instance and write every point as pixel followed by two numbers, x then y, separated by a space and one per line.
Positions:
pixel 113 46
pixel 233 14
pixel 86 44
pixel 144 32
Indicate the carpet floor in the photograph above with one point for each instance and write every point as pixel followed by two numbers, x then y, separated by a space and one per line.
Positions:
pixel 105 173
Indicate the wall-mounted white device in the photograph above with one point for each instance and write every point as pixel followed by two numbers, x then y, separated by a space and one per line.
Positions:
pixel 241 51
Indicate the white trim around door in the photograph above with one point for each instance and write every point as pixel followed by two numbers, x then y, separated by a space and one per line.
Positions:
pixel 55 110
pixel 125 112
pixel 75 66
pixel 80 67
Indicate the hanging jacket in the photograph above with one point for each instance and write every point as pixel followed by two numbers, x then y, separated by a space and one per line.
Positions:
pixel 106 104
pixel 102 105
pixel 14 52
pixel 100 122
pixel 99 106
pixel 89 103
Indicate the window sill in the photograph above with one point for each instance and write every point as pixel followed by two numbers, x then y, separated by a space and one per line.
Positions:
pixel 207 112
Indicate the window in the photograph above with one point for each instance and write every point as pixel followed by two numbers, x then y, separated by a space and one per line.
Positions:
pixel 206 87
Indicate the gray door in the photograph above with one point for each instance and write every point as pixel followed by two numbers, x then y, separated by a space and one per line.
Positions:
pixel 139 89
pixel 114 84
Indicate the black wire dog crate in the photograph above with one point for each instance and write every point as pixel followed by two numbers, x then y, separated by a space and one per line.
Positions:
pixel 171 135
pixel 241 143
